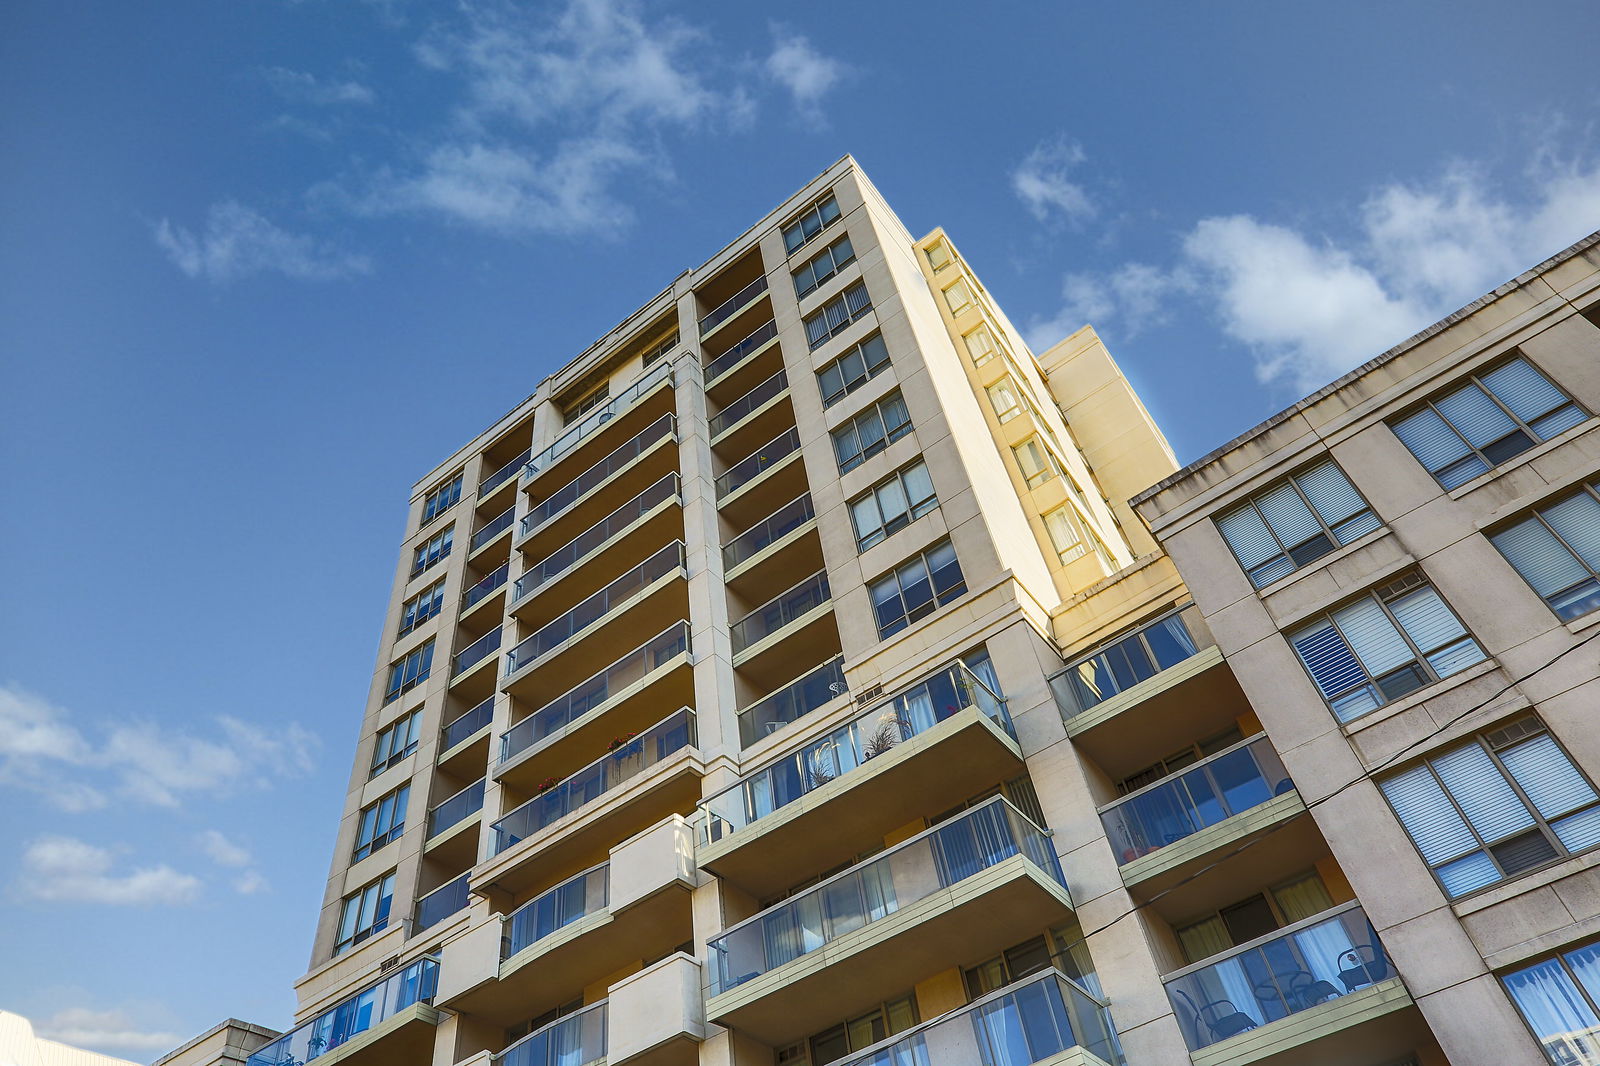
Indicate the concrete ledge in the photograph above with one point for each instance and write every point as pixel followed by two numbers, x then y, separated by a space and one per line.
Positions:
pixel 1303 1027
pixel 1173 676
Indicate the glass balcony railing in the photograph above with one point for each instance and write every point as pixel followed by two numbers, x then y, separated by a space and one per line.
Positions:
pixel 1140 655
pixel 576 1040
pixel 1030 1021
pixel 493 528
pixel 594 420
pixel 661 741
pixel 594 538
pixel 585 696
pixel 779 611
pixel 866 736
pixel 503 475
pixel 731 414
pixel 1320 959
pixel 779 524
pixel 793 701
pixel 491 581
pixel 574 490
pixel 441 903
pixel 466 725
pixel 556 909
pixel 476 652
pixel 725 310
pixel 735 355
pixel 1216 788
pixel 914 870
pixel 456 809
pixel 360 1013
pixel 757 462
pixel 596 607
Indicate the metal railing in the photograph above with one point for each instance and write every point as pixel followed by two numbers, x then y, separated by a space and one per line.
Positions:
pixel 493 528
pixel 757 462
pixel 593 692
pixel 576 1040
pixel 771 529
pixel 441 903
pixel 596 607
pixel 1323 958
pixel 476 652
pixel 629 759
pixel 1130 659
pixel 594 538
pixel 574 898
pixel 779 611
pixel 725 310
pixel 792 702
pixel 491 581
pixel 466 725
pixel 592 421
pixel 594 476
pixel 757 396
pixel 864 737
pixel 1239 777
pixel 351 1017
pixel 735 355
pixel 910 871
pixel 504 474
pixel 456 809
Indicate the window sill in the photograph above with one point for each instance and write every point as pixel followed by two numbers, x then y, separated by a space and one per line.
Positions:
pixel 1583 623
pixel 1528 881
pixel 1517 462
pixel 1287 580
pixel 1422 695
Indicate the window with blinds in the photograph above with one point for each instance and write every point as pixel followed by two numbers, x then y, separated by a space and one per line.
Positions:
pixel 822 266
pixel 980 345
pixel 1557 552
pixel 1392 641
pixel 1300 519
pixel 958 296
pixel 1496 806
pixel 1037 464
pixel 1494 416
pixel 852 370
pixel 892 504
pixel 831 318
pixel 871 431
pixel 810 222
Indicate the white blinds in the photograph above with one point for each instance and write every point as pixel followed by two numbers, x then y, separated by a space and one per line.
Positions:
pixel 1491 805
pixel 1288 516
pixel 1428 815
pixel 1539 557
pixel 1426 620
pixel 1550 780
pixel 1577 521
pixel 1331 493
pixel 1524 390
pixel 1433 442
pixel 1477 418
pixel 1374 639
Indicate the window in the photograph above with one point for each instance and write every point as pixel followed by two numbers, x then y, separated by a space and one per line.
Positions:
pixel 1255 916
pixel 822 266
pixel 395 742
pixel 1499 804
pixel 980 345
pixel 916 588
pixel 1003 398
pixel 660 351
pixel 1557 552
pixel 852 370
pixel 381 823
pixel 871 431
pixel 365 913
pixel 812 221
pixel 421 607
pixel 833 317
pixel 1392 641
pixel 1483 423
pixel 892 504
pixel 958 296
pixel 879 1024
pixel 1061 947
pixel 1064 535
pixel 1559 998
pixel 1037 465
pixel 1303 518
pixel 939 256
pixel 441 499
pixel 409 672
pixel 596 396
pixel 436 548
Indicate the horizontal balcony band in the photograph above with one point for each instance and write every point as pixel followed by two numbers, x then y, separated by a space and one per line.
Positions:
pixel 731 306
pixel 792 603
pixel 755 464
pixel 586 544
pixel 476 652
pixel 753 342
pixel 492 528
pixel 339 1027
pixel 731 415
pixel 575 898
pixel 491 582
pixel 456 809
pixel 448 899
pixel 466 725
pixel 1157 645
pixel 504 474
pixel 768 531
pixel 558 502
pixel 593 421
pixel 792 702
pixel 576 1040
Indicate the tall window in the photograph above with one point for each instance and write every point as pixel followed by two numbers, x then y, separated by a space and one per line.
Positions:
pixel 853 369
pixel 1559 998
pixel 421 607
pixel 812 221
pixel 1557 552
pixel 871 431
pixel 581 406
pixel 958 295
pixel 409 672
pixel 1003 398
pixel 916 588
pixel 892 504
pixel 441 499
pixel 1035 462
pixel 878 1024
pixel 980 345
pixel 833 317
pixel 939 256
pixel 436 548
pixel 1392 641
pixel 822 266
pixel 1064 535
pixel 395 742
pixel 381 823
pixel 1491 418
pixel 1499 804
pixel 1302 518
pixel 365 913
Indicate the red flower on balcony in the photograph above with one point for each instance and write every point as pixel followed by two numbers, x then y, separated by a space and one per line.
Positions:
pixel 617 742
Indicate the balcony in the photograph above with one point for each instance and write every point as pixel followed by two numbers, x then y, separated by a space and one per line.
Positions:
pixel 452 836
pixel 390 1022
pixel 576 1040
pixel 492 529
pixel 1042 1019
pixel 732 306
pixel 475 653
pixel 750 348
pixel 487 486
pixel 756 415
pixel 467 725
pixel 948 735
pixel 446 900
pixel 773 536
pixel 619 699
pixel 492 582
pixel 593 423
pixel 782 611
pixel 627 522
pixel 963 889
pixel 614 465
pixel 757 463
pixel 1316 980
pixel 792 702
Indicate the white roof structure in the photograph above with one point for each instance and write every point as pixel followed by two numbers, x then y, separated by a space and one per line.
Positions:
pixel 20 1047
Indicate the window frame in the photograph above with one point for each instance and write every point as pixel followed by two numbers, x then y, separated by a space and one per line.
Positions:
pixel 937 597
pixel 870 371
pixel 399 683
pixel 843 301
pixel 796 224
pixel 661 349
pixel 1590 999
pixel 1051 467
pixel 1537 515
pixel 1078 548
pixel 994 344
pixel 1325 531
pixel 811 270
pixel 914 510
pixel 383 901
pixel 886 437
pixel 384 739
pixel 963 284
pixel 411 617
pixel 433 551
pixel 369 838
pixel 1007 387
pixel 441 499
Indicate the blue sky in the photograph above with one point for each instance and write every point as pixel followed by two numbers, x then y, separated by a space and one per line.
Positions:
pixel 263 263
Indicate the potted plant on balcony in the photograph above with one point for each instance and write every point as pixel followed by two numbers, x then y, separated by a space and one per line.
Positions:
pixel 626 756
pixel 890 730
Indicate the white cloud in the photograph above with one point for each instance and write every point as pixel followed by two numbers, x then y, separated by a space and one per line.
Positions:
pixel 250 883
pixel 805 73
pixel 1041 182
pixel 1136 295
pixel 299 87
pixel 223 851
pixel 237 242
pixel 63 869
pixel 109 1031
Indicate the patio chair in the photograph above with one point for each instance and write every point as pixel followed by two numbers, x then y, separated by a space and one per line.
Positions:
pixel 1219 1016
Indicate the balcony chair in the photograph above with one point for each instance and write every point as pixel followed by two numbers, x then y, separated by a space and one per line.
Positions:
pixel 1219 1016
pixel 1362 965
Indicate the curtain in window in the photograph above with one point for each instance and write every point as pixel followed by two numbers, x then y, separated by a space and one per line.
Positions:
pixel 1555 1009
